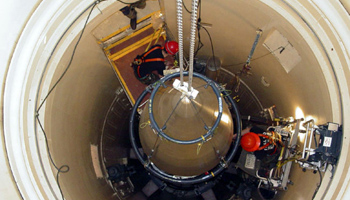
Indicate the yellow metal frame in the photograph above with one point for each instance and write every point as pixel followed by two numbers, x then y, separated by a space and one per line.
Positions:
pixel 128 49
pixel 123 82
pixel 132 47
pixel 128 37
pixel 125 27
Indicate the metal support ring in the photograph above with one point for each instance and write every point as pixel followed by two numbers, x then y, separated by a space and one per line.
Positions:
pixel 209 133
pixel 192 180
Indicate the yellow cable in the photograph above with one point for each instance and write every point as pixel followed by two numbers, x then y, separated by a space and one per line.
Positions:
pixel 160 32
pixel 279 165
pixel 150 42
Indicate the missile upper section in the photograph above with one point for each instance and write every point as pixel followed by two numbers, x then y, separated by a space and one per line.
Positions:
pixel 183 118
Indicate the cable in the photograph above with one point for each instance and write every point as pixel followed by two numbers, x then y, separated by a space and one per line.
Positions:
pixel 281 47
pixel 150 42
pixel 211 41
pixel 321 178
pixel 319 185
pixel 63 168
pixel 172 112
pixel 186 7
pixel 70 61
pixel 200 44
pixel 128 3
pixel 212 49
pixel 247 67
pixel 197 113
pixel 200 9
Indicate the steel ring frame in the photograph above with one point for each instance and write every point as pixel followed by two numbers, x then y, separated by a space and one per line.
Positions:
pixel 210 132
pixel 174 179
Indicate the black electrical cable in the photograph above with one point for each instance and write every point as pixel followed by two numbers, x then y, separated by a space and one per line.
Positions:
pixel 70 61
pixel 200 9
pixel 186 7
pixel 212 49
pixel 242 63
pixel 211 41
pixel 127 2
pixel 319 185
pixel 321 178
pixel 63 168
pixel 200 44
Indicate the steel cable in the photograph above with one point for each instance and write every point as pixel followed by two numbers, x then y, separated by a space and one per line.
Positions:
pixel 192 40
pixel 180 38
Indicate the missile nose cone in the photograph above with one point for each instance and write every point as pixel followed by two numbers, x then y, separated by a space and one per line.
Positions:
pixel 185 119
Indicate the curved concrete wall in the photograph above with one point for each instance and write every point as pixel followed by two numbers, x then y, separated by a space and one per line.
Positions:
pixel 38 37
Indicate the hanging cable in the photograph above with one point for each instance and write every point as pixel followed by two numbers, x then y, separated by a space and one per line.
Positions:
pixel 200 43
pixel 257 58
pixel 160 33
pixel 318 185
pixel 127 3
pixel 192 41
pixel 212 49
pixel 150 42
pixel 70 60
pixel 185 7
pixel 158 36
pixel 319 172
pixel 63 168
pixel 238 74
pixel 180 36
